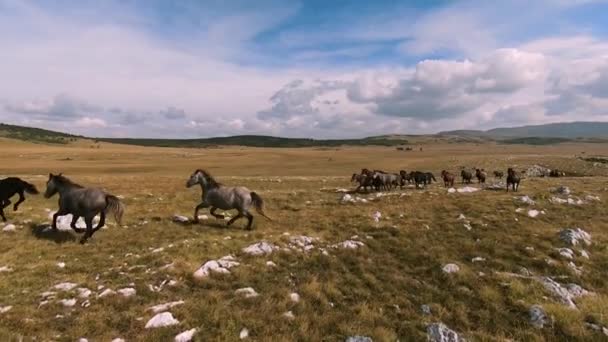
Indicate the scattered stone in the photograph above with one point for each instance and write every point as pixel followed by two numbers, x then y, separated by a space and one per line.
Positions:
pixel 302 242
pixel 127 292
pixel 158 250
pixel 467 189
pixel 248 292
pixel 566 253
pixel 163 319
pixel 186 336
pixel 349 244
pixel 244 333
pixel 461 217
pixel 439 332
pixel 478 259
pixel 577 270
pixel 68 303
pixel 468 226
pixel 203 217
pixel 450 268
pixel 61 264
pixel 538 317
pixel 567 294
pixel 289 315
pixel 5 309
pixel 527 200
pixel 222 265
pixel 294 297
pixel 64 222
pixel 9 228
pixel 359 339
pixel 377 216
pixel 180 219
pixel 65 286
pixel 106 292
pixel 260 248
pixel 271 264
pixel 533 213
pixel 563 190
pixel 426 310
pixel 118 339
pixel 537 171
pixel 591 198
pixel 6 269
pixel 166 306
pixel 584 254
pixel 575 236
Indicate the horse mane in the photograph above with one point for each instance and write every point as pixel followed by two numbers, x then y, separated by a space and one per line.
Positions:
pixel 63 180
pixel 212 182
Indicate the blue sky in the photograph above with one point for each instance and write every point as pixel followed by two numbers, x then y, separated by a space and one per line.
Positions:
pixel 328 69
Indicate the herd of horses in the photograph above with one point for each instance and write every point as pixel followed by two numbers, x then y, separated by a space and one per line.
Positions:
pixel 380 180
pixel 87 202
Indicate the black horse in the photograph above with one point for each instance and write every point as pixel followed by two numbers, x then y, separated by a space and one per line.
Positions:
pixel 419 178
pixel 11 186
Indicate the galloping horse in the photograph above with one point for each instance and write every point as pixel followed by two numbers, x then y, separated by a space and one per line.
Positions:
pixel 80 201
pixel 481 175
pixel 448 178
pixel 11 186
pixel 219 196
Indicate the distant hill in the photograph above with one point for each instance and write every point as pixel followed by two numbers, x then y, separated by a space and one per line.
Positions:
pixel 35 134
pixel 569 130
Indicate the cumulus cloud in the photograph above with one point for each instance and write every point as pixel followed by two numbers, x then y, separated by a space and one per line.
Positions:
pixel 61 106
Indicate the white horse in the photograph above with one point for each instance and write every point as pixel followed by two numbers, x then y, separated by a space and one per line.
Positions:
pixel 217 196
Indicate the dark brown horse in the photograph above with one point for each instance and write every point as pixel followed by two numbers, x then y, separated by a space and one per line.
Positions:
pixel 364 181
pixel 481 175
pixel 513 179
pixel 499 174
pixel 448 178
pixel 11 186
pixel 405 178
pixel 467 176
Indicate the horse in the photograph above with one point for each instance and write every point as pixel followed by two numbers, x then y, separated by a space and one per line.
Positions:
pixel 385 180
pixel 513 179
pixel 82 202
pixel 419 178
pixel 363 180
pixel 448 178
pixel 556 173
pixel 405 177
pixel 430 178
pixel 11 186
pixel 499 174
pixel 218 196
pixel 481 175
pixel 467 176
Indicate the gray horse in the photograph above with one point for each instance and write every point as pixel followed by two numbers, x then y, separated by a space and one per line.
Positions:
pixel 80 201
pixel 218 196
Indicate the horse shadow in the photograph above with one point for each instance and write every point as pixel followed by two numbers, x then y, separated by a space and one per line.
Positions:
pixel 45 232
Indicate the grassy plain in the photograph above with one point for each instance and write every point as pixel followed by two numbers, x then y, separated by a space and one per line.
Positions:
pixel 376 290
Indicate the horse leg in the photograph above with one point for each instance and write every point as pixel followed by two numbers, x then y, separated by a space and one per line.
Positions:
pixel 250 220
pixel 102 221
pixel 2 213
pixel 56 215
pixel 199 207
pixel 89 232
pixel 21 199
pixel 217 216
pixel 73 224
pixel 238 216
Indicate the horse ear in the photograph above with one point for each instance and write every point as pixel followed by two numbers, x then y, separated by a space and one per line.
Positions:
pixel 50 175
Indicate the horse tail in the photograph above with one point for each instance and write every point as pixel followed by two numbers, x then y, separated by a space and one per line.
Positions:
pixel 30 188
pixel 114 205
pixel 258 203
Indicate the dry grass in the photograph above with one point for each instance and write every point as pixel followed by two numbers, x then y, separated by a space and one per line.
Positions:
pixel 376 290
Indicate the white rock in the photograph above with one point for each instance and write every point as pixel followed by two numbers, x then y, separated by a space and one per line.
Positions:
pixel 203 217
pixel 9 228
pixel 478 259
pixel 461 217
pixel 260 248
pixel 577 270
pixel 591 198
pixel 566 253
pixel 563 190
pixel 450 268
pixel 538 317
pixel 294 297
pixel 468 226
pixel 61 264
pixel 467 189
pixel 180 219
pixel 377 216
pixel 584 254
pixel 248 292
pixel 575 236
pixel 6 269
pixel 527 200
pixel 533 213
pixel 106 292
pixel 5 309
pixel 222 265
pixel 451 190
pixel 186 336
pixel 127 292
pixel 68 303
pixel 118 339
pixel 439 332
pixel 359 339
pixel 165 306
pixel 82 339
pixel 426 310
pixel 64 222
pixel 244 333
pixel 289 315
pixel 65 286
pixel 163 319
pixel 158 250
pixel 302 242
pixel 565 294
pixel 270 264
pixel 349 244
